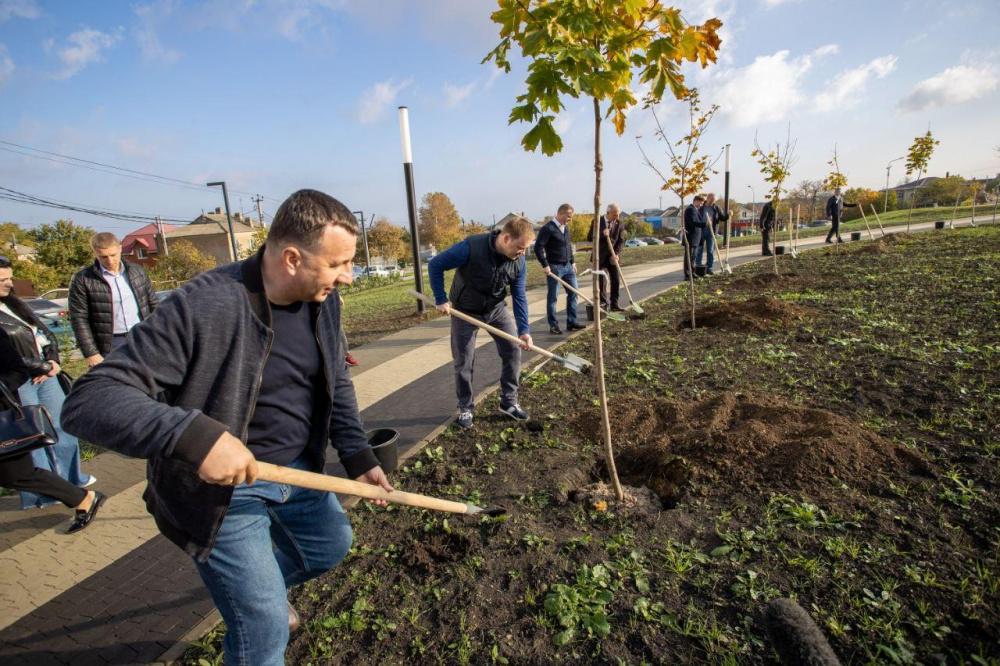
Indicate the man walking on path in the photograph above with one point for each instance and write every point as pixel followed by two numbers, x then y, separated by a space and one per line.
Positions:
pixel 486 266
pixel 713 215
pixel 766 227
pixel 107 299
pixel 243 363
pixel 834 211
pixel 612 230
pixel 694 226
pixel 554 250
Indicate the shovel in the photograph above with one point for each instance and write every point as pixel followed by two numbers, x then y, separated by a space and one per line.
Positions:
pixel 632 304
pixel 616 316
pixel 335 484
pixel 726 268
pixel 569 361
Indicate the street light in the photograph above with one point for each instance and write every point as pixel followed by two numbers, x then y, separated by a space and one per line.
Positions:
pixel 364 236
pixel 411 201
pixel 753 204
pixel 229 218
pixel 885 204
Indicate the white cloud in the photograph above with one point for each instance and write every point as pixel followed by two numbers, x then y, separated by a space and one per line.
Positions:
pixel 847 86
pixel 82 48
pixel 763 91
pixel 376 100
pixel 455 95
pixel 954 85
pixel 6 66
pixel 827 49
pixel 146 36
pixel 774 3
pixel 26 9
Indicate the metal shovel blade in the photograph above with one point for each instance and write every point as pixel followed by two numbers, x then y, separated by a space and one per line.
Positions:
pixel 636 308
pixel 574 363
pixel 727 269
pixel 491 511
pixel 614 316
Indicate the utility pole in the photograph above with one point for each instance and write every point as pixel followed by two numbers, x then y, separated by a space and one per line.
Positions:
pixel 159 231
pixel 229 218
pixel 885 204
pixel 260 213
pixel 364 236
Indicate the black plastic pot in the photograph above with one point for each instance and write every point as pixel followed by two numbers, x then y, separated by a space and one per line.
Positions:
pixel 779 249
pixel 855 235
pixel 385 446
pixel 939 224
pixel 590 312
pixel 699 271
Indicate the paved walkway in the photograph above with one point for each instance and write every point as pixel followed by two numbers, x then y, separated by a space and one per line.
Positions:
pixel 119 593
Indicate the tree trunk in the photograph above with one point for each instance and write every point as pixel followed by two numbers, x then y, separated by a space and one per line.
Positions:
pixel 690 260
pixel 596 285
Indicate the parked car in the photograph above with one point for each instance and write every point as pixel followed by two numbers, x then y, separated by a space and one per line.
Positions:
pixel 651 240
pixel 634 242
pixel 381 271
pixel 53 314
pixel 817 223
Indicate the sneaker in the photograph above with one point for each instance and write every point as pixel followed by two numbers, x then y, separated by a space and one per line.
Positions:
pixel 464 419
pixel 575 327
pixel 294 621
pixel 92 481
pixel 351 361
pixel 515 412
pixel 555 330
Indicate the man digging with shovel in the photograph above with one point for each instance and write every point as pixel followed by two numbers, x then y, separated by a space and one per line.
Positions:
pixel 486 266
pixel 613 234
pixel 244 364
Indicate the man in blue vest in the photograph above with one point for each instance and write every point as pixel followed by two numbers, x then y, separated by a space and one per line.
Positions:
pixel 486 266
pixel 554 250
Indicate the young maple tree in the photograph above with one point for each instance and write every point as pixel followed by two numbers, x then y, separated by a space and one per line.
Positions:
pixel 835 178
pixel 917 159
pixel 596 50
pixel 775 166
pixel 689 171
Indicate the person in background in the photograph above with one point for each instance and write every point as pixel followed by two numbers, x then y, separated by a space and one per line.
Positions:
pixel 694 226
pixel 713 215
pixel 834 212
pixel 611 229
pixel 554 251
pixel 486 266
pixel 37 351
pixel 766 227
pixel 107 299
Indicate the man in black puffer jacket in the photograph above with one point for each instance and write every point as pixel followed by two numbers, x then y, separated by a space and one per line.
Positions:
pixel 107 299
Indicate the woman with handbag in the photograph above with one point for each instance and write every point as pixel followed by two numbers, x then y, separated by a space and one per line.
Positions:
pixel 32 346
pixel 18 471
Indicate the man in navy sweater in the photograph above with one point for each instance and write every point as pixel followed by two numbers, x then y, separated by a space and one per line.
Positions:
pixel 555 253
pixel 486 266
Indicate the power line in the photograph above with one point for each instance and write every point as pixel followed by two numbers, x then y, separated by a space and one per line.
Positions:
pixel 126 216
pixel 81 162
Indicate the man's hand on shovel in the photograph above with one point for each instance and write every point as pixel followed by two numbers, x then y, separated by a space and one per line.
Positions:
pixel 525 341
pixel 376 477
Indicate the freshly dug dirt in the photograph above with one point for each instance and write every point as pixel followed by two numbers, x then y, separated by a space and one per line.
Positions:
pixel 599 496
pixel 760 313
pixel 764 280
pixel 749 442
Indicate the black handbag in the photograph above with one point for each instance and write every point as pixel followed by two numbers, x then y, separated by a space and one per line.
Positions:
pixel 23 428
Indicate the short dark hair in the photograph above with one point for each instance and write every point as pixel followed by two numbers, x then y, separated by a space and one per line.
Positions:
pixel 5 263
pixel 699 197
pixel 303 215
pixel 564 208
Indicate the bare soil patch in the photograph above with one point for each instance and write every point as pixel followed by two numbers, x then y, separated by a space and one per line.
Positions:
pixel 759 313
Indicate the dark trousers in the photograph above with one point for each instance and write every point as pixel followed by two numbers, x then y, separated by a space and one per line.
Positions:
pixel 834 231
pixel 20 473
pixel 693 242
pixel 463 351
pixel 765 243
pixel 610 300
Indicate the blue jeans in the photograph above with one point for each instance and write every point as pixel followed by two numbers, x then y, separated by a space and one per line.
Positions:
pixel 707 245
pixel 62 458
pixel 273 536
pixel 568 275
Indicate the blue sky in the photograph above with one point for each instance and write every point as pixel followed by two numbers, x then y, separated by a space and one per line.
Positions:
pixel 274 95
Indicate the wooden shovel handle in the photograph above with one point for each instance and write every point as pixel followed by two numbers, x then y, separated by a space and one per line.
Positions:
pixel 621 276
pixel 486 327
pixel 571 288
pixel 334 484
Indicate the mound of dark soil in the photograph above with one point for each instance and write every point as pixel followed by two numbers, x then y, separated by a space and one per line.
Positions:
pixel 760 313
pixel 763 280
pixel 738 441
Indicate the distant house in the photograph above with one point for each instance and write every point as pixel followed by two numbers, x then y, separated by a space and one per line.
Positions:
pixel 209 233
pixel 907 191
pixel 140 246
pixel 667 218
pixel 23 252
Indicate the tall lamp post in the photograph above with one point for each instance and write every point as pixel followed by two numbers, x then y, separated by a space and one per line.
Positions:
pixel 885 204
pixel 753 205
pixel 364 237
pixel 725 196
pixel 229 218
pixel 411 201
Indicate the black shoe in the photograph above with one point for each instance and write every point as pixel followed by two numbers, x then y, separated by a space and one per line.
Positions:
pixel 555 330
pixel 708 271
pixel 829 241
pixel 575 327
pixel 840 240
pixel 616 308
pixel 84 518
pixel 767 254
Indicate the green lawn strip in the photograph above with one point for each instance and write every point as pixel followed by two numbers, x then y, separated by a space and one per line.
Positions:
pixel 901 339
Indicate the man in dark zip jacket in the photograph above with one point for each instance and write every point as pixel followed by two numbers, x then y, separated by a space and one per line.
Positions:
pixel 554 250
pixel 107 299
pixel 241 364
pixel 486 266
